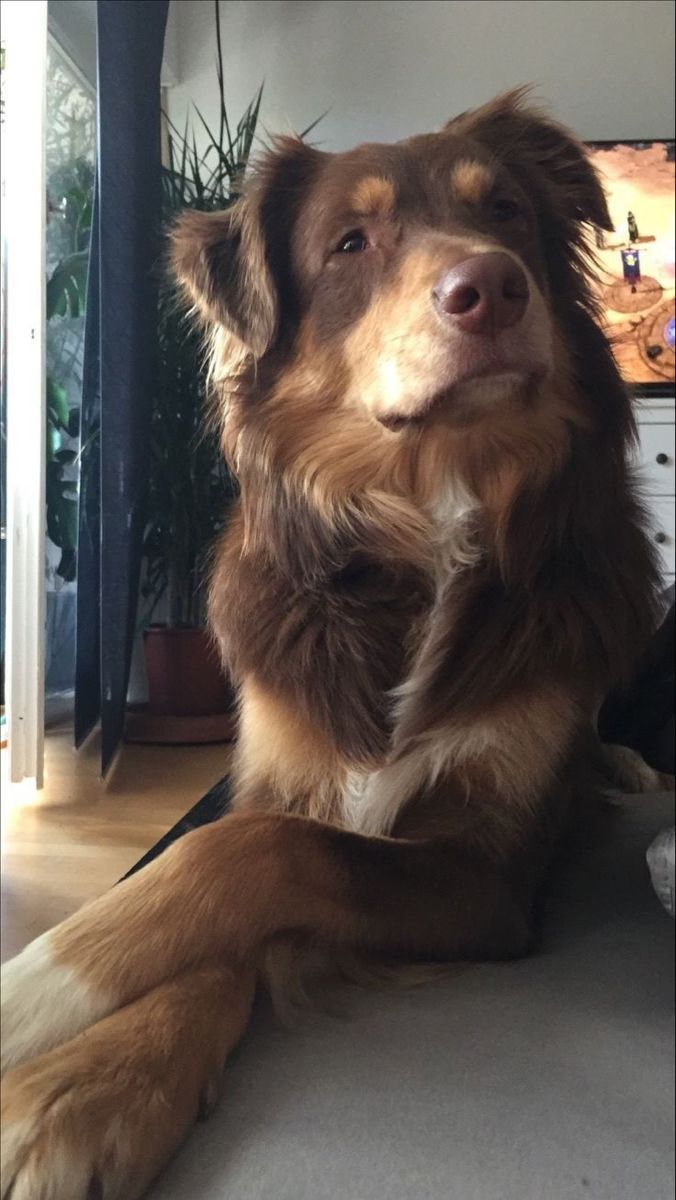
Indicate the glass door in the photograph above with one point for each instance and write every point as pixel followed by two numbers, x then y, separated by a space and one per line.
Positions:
pixel 23 355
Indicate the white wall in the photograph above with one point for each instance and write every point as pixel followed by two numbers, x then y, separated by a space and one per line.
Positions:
pixel 73 24
pixel 389 68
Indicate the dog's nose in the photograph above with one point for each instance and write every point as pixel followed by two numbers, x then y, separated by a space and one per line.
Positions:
pixel 484 294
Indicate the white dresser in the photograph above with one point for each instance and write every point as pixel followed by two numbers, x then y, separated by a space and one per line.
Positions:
pixel 657 459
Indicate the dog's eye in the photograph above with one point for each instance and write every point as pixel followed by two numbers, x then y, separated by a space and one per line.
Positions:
pixel 503 208
pixel 353 243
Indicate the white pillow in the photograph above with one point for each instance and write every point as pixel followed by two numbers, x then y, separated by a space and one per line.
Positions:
pixel 661 861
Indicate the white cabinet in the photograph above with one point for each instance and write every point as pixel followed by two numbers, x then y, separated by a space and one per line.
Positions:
pixel 656 466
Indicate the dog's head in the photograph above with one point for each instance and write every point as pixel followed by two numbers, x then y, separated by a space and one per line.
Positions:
pixel 435 279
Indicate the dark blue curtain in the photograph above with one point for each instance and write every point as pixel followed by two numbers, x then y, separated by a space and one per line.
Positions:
pixel 120 360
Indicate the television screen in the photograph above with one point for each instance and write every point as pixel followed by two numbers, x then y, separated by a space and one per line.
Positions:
pixel 637 261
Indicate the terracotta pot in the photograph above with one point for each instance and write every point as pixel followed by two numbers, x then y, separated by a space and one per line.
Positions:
pixel 185 677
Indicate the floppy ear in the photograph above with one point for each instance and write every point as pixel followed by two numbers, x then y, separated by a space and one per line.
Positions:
pixel 527 140
pixel 219 260
pixel 230 264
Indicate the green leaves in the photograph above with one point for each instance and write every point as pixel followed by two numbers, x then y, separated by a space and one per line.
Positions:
pixel 62 510
pixel 57 404
pixel 71 205
pixel 63 423
pixel 66 288
pixel 190 489
pixel 210 179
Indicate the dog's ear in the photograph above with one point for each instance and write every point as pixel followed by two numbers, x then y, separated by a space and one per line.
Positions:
pixel 532 145
pixel 220 263
pixel 228 264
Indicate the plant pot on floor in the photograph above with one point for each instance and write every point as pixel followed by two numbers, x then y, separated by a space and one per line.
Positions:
pixel 189 697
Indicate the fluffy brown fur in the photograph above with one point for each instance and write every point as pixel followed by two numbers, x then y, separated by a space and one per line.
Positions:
pixel 323 588
pixel 437 569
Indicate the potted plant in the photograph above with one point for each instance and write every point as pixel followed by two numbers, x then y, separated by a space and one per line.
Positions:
pixel 190 491
pixel 190 487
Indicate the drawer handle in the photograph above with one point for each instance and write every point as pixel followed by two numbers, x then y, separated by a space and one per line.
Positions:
pixel 661 538
pixel 662 459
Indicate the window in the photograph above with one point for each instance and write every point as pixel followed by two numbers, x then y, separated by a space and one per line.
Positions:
pixel 70 159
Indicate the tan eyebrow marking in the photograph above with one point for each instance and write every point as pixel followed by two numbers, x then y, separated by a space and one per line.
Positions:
pixel 374 196
pixel 471 181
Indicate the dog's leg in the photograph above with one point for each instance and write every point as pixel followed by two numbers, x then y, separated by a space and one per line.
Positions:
pixel 100 1115
pixel 628 771
pixel 227 889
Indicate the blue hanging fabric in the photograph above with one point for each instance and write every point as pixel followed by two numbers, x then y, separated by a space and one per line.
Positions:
pixel 120 369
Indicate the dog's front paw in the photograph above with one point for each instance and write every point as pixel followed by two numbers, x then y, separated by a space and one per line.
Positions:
pixel 98 1117
pixel 87 1122
pixel 43 1003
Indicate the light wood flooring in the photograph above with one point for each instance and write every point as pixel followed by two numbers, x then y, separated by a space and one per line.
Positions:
pixel 68 843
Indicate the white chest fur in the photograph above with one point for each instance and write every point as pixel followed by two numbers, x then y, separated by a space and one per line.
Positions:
pixel 371 800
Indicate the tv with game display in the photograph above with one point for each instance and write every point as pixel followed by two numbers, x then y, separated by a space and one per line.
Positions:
pixel 637 260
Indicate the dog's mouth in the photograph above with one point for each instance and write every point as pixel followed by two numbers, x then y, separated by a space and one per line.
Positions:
pixel 487 383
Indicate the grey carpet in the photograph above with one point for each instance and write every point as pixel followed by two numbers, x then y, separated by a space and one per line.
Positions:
pixel 547 1078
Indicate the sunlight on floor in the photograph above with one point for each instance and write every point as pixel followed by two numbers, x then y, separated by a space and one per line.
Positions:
pixel 66 843
pixel 15 796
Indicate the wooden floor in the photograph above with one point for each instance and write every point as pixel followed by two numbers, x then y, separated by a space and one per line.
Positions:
pixel 68 843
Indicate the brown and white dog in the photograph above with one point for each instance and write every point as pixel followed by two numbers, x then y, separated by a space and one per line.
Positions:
pixel 436 570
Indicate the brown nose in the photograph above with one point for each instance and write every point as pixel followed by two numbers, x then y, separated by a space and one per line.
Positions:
pixel 484 294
